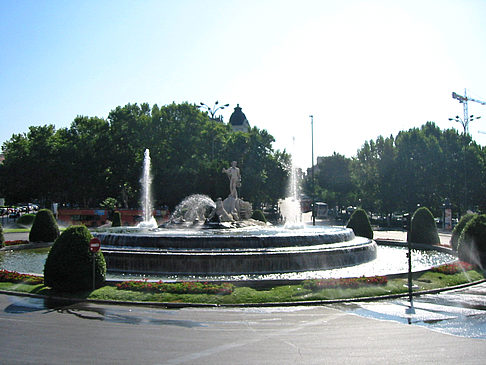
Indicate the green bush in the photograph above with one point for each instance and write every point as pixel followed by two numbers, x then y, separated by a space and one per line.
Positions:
pixel 2 239
pixel 69 265
pixel 259 216
pixel 360 224
pixel 44 228
pixel 472 242
pixel 116 219
pixel 456 232
pixel 26 220
pixel 423 228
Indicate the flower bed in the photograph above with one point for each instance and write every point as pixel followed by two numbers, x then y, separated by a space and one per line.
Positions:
pixel 454 268
pixel 15 277
pixel 320 284
pixel 186 287
pixel 16 242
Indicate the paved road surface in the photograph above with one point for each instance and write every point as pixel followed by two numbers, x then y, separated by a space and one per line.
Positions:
pixel 56 333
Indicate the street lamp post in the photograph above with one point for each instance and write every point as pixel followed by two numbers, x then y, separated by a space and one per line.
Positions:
pixel 465 124
pixel 312 171
pixel 212 111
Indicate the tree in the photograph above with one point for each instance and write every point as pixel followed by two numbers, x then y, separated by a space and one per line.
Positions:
pixel 334 180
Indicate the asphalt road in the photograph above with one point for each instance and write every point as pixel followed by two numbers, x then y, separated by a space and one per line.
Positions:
pixel 39 332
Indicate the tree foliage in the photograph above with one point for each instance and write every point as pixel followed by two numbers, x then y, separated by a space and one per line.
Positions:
pixel 420 166
pixel 96 158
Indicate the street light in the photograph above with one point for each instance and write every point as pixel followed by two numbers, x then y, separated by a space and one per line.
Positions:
pixel 212 111
pixel 312 167
pixel 465 124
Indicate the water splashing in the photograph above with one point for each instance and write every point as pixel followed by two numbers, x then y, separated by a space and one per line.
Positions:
pixel 290 206
pixel 195 207
pixel 146 201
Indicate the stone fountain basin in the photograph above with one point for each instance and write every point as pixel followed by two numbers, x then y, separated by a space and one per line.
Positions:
pixel 234 251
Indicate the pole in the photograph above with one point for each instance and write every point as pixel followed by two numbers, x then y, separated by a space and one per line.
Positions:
pixel 312 167
pixel 94 269
pixel 411 309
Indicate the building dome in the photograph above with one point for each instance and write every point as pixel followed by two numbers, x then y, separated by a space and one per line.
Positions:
pixel 238 120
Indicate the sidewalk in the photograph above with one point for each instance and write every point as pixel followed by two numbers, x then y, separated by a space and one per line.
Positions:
pixel 401 235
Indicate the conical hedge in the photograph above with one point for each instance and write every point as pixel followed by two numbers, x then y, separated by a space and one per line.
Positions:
pixel 423 228
pixel 44 228
pixel 457 231
pixel 360 224
pixel 116 219
pixel 69 265
pixel 472 243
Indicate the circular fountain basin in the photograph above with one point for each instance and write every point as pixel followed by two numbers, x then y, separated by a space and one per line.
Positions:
pixel 252 250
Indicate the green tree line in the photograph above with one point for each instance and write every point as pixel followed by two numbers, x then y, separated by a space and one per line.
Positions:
pixel 94 159
pixel 422 166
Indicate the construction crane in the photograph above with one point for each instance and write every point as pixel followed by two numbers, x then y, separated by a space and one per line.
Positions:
pixel 467 118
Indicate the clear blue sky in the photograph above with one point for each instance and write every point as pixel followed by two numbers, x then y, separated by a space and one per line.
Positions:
pixel 362 68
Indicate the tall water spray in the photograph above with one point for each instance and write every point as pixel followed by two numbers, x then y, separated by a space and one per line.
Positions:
pixel 290 206
pixel 146 182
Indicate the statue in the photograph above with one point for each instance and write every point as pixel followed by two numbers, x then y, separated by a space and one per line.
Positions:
pixel 234 176
pixel 221 213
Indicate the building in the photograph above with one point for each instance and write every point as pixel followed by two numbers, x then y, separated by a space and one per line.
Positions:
pixel 238 121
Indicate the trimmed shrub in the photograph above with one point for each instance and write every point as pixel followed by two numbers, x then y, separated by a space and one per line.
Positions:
pixel 360 224
pixel 26 220
pixel 116 219
pixel 2 239
pixel 259 216
pixel 472 242
pixel 44 228
pixel 457 231
pixel 69 265
pixel 423 228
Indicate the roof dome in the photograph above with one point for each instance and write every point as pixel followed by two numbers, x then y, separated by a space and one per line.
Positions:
pixel 238 117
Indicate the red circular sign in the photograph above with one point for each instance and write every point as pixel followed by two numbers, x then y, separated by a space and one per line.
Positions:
pixel 94 244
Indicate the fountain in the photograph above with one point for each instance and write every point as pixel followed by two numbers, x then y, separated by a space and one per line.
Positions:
pixel 189 244
pixel 208 240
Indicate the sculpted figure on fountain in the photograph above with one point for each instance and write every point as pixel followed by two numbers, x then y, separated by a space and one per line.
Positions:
pixel 234 176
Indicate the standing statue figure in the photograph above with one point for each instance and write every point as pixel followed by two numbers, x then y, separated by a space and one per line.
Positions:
pixel 235 179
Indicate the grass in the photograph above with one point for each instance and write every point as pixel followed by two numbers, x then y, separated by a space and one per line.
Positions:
pixel 244 295
pixel 16 230
pixel 24 230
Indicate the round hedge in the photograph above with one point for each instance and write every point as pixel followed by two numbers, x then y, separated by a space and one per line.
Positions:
pixel 2 239
pixel 457 231
pixel 472 242
pixel 259 216
pixel 423 228
pixel 360 224
pixel 44 228
pixel 26 219
pixel 116 219
pixel 69 265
